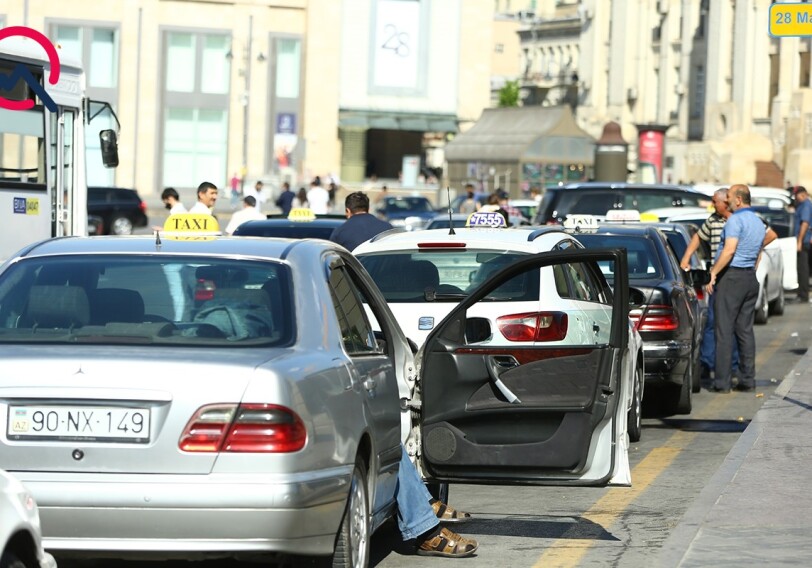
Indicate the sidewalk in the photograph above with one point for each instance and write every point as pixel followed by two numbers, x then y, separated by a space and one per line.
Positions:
pixel 757 509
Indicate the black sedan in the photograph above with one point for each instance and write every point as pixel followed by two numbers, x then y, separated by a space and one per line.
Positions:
pixel 664 306
pixel 279 226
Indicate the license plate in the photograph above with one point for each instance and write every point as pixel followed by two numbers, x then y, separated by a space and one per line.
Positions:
pixel 85 423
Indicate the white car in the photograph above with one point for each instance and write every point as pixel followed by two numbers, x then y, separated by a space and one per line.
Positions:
pixel 20 536
pixel 424 275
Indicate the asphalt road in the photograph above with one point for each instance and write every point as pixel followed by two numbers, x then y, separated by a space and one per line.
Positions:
pixel 624 527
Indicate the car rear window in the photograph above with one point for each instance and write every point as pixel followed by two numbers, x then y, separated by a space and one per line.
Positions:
pixel 394 204
pixel 300 231
pixel 405 276
pixel 153 300
pixel 643 260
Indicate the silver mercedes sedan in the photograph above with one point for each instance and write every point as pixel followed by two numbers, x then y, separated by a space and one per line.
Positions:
pixel 227 396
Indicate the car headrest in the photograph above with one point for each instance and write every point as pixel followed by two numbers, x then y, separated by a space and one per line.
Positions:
pixel 58 306
pixel 116 304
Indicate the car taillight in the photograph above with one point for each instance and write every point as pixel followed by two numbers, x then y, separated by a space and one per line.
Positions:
pixel 700 292
pixel 534 326
pixel 204 290
pixel 142 205
pixel 656 318
pixel 262 428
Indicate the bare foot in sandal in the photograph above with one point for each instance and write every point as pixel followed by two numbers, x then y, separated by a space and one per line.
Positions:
pixel 447 543
pixel 447 514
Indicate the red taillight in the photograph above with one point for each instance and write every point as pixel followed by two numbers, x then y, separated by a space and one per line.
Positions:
pixel 700 292
pixel 258 428
pixel 142 206
pixel 204 290
pixel 440 245
pixel 534 326
pixel 657 318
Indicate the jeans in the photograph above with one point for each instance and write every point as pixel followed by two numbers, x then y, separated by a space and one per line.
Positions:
pixel 415 515
pixel 707 349
pixel 803 273
pixel 736 296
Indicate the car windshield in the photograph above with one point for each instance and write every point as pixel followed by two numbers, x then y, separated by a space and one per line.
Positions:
pixel 405 276
pixel 396 204
pixel 644 263
pixel 115 299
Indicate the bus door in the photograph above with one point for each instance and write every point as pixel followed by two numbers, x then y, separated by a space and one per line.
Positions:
pixel 64 210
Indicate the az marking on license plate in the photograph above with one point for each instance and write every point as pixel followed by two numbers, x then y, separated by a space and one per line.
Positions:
pixel 91 423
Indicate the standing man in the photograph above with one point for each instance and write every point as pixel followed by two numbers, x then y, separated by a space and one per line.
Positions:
pixel 733 274
pixel 206 198
pixel 360 225
pixel 711 233
pixel 318 198
pixel 803 219
pixel 172 202
pixel 285 199
pixel 248 212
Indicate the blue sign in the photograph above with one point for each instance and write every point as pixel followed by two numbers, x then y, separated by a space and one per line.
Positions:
pixel 19 205
pixel 286 123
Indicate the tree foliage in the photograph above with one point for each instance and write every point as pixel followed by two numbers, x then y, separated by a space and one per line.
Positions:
pixel 509 94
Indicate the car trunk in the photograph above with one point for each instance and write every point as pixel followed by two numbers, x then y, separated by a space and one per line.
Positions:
pixel 117 410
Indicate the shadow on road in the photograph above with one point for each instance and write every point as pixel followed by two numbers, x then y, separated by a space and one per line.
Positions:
pixel 698 425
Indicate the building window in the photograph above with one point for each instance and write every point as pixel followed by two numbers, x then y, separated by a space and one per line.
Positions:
pixel 97 47
pixel 499 48
pixel 284 102
pixel 196 86
pixel 698 101
pixel 803 79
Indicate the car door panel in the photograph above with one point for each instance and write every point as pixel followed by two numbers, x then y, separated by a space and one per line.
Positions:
pixel 567 400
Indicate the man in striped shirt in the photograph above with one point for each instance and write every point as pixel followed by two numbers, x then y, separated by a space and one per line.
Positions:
pixel 711 233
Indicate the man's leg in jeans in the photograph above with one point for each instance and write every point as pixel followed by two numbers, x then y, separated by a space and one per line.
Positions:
pixel 415 515
pixel 707 348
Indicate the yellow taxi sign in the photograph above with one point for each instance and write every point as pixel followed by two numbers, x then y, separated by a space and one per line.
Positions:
pixel 301 214
pixel 191 226
pixel 490 219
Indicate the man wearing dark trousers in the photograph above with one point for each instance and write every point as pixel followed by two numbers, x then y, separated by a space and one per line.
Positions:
pixel 803 218
pixel 360 225
pixel 733 274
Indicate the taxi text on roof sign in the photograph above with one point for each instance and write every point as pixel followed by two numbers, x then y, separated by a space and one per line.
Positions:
pixel 788 20
pixel 301 214
pixel 486 219
pixel 191 226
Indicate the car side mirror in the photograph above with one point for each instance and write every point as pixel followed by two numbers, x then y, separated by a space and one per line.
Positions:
pixel 109 148
pixel 477 330
pixel 699 276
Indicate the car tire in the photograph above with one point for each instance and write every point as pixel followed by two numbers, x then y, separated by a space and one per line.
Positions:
pixel 10 560
pixel 635 418
pixel 353 538
pixel 777 305
pixel 121 226
pixel 763 308
pixel 680 399
pixel 439 491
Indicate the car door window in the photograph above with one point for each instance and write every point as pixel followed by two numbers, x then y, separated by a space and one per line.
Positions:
pixel 581 283
pixel 356 330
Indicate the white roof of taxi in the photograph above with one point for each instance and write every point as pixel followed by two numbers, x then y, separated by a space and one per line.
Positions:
pixel 517 238
pixel 146 244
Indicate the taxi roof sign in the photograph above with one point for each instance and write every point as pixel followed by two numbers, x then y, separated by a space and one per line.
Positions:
pixel 490 219
pixel 623 215
pixel 191 226
pixel 301 214
pixel 581 222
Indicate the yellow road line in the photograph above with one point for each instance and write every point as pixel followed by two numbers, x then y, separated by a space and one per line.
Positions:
pixel 568 550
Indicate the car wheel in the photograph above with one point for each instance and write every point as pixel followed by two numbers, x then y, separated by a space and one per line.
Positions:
pixel 439 491
pixel 352 541
pixel 777 305
pixel 763 308
pixel 121 226
pixel 680 399
pixel 10 560
pixel 635 419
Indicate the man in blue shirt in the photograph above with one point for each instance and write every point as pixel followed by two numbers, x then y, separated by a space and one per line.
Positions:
pixel 285 199
pixel 803 219
pixel 733 274
pixel 361 225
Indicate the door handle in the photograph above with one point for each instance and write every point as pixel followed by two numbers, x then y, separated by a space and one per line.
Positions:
pixel 370 384
pixel 497 364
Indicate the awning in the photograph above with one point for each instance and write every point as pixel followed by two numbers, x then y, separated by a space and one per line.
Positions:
pixel 381 120
pixel 524 134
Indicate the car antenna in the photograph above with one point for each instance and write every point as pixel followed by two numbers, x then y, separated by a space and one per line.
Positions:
pixel 450 217
pixel 157 238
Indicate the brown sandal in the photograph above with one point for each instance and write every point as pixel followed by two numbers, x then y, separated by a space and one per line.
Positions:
pixel 448 515
pixel 448 544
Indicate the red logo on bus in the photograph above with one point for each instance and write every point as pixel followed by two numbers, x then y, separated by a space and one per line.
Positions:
pixel 20 71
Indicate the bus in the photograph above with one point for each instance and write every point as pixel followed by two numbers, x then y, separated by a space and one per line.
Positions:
pixel 43 189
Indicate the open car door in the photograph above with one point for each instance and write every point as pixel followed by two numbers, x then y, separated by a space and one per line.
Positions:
pixel 530 413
